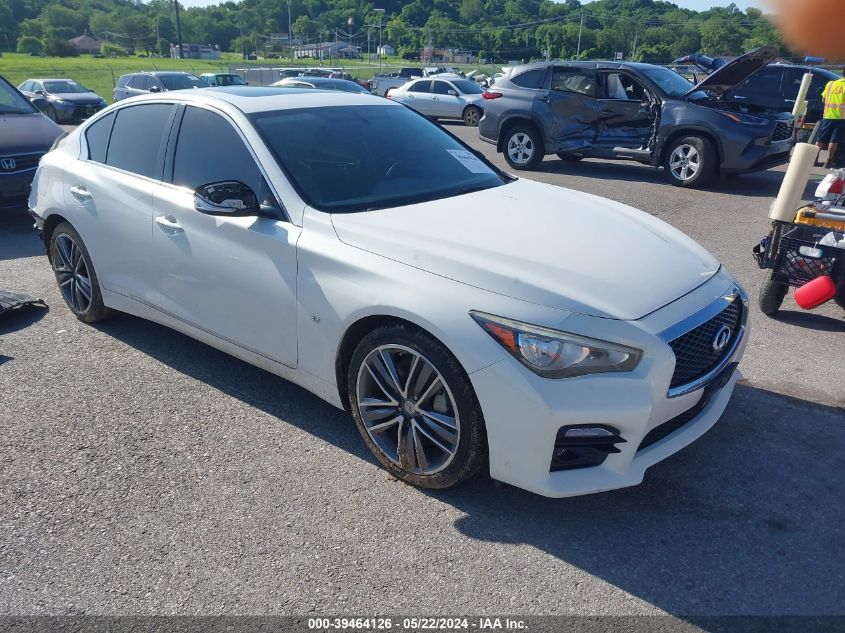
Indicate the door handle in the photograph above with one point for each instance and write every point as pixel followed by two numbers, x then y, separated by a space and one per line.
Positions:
pixel 169 224
pixel 545 99
pixel 80 192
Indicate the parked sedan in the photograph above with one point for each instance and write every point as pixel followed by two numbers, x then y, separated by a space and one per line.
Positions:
pixel 67 99
pixel 222 79
pixel 439 98
pixel 25 136
pixel 321 83
pixel 381 272
pixel 135 84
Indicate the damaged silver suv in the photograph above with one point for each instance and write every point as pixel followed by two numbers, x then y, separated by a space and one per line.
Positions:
pixel 640 112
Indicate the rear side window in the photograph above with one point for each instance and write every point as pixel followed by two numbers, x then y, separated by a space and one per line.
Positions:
pixel 97 137
pixel 421 86
pixel 210 150
pixel 137 139
pixel 530 79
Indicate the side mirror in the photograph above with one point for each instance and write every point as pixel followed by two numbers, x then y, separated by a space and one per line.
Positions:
pixel 454 93
pixel 155 89
pixel 228 197
pixel 39 92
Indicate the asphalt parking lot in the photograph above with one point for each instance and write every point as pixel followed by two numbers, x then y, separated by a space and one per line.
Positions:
pixel 146 473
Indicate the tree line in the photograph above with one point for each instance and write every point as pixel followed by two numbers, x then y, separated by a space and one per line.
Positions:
pixel 499 30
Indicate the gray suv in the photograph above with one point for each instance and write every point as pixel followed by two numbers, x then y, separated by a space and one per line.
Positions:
pixel 639 112
pixel 135 84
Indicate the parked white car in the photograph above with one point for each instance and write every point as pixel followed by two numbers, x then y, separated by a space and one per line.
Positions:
pixel 442 98
pixel 460 313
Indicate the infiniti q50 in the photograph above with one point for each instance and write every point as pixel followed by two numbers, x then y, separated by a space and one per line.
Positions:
pixel 466 318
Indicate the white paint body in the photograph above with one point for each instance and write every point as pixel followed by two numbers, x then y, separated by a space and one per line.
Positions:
pixel 527 251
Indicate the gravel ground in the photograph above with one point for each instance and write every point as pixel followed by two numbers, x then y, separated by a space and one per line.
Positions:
pixel 145 473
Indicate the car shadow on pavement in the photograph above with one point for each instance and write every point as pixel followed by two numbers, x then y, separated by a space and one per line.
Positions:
pixel 17 237
pixel 811 321
pixel 747 520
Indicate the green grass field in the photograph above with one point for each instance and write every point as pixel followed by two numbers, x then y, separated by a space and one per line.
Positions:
pixel 100 75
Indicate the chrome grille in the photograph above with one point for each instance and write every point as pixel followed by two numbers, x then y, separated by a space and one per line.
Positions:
pixel 694 351
pixel 783 131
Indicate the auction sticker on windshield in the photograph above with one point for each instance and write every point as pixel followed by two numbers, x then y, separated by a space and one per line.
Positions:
pixel 469 160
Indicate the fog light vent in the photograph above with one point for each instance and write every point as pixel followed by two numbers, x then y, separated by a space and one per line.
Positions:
pixel 584 446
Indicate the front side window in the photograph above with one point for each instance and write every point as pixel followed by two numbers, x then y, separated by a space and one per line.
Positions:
pixel 379 157
pixel 210 150
pixel 97 138
pixel 137 139
pixel 578 80
pixel 440 88
pixel 622 87
pixel 420 86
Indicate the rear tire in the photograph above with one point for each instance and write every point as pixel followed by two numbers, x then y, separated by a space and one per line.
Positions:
pixel 772 294
pixel 76 276
pixel 440 449
pixel 523 147
pixel 690 162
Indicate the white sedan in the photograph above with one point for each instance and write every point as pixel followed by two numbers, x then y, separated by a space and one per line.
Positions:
pixel 439 98
pixel 467 318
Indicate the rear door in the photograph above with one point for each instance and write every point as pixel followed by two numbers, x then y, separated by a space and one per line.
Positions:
pixel 419 97
pixel 624 111
pixel 569 107
pixel 111 191
pixel 137 85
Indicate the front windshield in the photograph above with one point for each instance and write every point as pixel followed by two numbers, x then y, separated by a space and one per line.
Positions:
pixel 12 102
pixel 467 87
pixel 669 81
pixel 357 158
pixel 64 87
pixel 180 82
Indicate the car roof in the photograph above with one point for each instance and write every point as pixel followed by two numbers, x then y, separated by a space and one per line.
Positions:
pixel 254 99
pixel 51 79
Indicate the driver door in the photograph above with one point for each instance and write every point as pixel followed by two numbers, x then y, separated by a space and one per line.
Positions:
pixel 625 119
pixel 232 276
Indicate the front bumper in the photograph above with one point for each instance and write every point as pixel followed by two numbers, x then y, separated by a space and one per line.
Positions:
pixel 15 187
pixel 524 412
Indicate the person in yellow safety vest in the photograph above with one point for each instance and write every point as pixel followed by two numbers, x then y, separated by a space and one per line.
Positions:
pixel 832 126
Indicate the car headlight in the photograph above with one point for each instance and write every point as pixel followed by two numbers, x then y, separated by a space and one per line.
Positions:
pixel 555 354
pixel 744 118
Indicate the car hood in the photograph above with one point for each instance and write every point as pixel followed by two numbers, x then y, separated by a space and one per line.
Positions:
pixel 736 71
pixel 82 98
pixel 26 133
pixel 542 244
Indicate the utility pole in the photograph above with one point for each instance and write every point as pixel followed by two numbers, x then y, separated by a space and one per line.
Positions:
pixel 290 36
pixel 380 14
pixel 178 28
pixel 580 30
pixel 634 52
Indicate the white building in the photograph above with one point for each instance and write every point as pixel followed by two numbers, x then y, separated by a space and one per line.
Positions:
pixel 327 50
pixel 386 50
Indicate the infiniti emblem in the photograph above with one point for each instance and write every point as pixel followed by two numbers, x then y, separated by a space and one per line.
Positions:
pixel 722 338
pixel 8 163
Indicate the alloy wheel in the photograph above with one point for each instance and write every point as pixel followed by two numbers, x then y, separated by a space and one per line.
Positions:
pixel 520 148
pixel 407 409
pixel 685 162
pixel 72 274
pixel 471 117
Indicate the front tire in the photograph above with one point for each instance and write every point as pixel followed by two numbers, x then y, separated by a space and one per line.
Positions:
pixel 772 294
pixel 690 162
pixel 523 147
pixel 415 408
pixel 50 113
pixel 472 115
pixel 76 276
